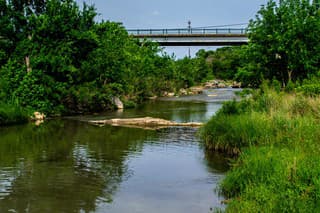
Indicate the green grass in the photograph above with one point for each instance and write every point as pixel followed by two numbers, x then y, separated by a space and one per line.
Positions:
pixel 12 114
pixel 276 137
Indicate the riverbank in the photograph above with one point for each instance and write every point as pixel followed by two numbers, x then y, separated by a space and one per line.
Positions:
pixel 199 89
pixel 15 114
pixel 276 138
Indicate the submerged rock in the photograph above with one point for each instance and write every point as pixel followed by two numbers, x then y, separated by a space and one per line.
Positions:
pixel 146 122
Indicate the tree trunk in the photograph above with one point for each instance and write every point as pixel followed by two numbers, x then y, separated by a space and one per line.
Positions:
pixel 27 59
pixel 289 75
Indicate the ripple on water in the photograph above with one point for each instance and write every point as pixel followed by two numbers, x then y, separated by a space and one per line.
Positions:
pixel 7 177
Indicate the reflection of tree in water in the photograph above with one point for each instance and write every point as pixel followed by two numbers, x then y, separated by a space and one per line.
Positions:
pixel 216 162
pixel 63 166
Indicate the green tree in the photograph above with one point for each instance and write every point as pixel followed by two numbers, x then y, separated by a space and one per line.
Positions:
pixel 284 41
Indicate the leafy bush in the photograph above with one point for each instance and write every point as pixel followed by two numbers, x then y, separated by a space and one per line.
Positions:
pixel 12 114
pixel 310 89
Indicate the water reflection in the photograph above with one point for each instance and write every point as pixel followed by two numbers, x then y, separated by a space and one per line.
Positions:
pixel 70 166
pixel 63 166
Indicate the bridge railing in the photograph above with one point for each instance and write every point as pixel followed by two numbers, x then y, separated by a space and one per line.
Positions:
pixel 190 31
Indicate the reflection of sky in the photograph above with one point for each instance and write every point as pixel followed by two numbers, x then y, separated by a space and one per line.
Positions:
pixel 195 108
pixel 85 167
pixel 200 112
pixel 200 108
pixel 7 178
pixel 170 175
pixel 212 108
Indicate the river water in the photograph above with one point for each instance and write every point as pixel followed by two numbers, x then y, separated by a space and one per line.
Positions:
pixel 67 165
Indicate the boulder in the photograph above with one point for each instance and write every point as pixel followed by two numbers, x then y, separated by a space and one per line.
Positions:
pixel 196 90
pixel 117 102
pixel 183 92
pixel 210 85
pixel 171 94
pixel 38 116
pixel 236 84
pixel 222 85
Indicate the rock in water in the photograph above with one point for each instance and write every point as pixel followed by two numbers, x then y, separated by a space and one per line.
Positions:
pixel 117 102
pixel 37 116
pixel 145 122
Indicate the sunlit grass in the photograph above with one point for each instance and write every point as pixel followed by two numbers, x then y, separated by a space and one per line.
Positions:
pixel 276 137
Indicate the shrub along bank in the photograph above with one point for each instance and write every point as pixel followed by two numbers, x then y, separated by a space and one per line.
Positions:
pixel 12 114
pixel 276 138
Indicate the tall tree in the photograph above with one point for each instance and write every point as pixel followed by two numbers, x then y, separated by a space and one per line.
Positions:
pixel 284 40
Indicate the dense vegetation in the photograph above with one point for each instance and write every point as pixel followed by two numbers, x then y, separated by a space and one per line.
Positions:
pixel 54 58
pixel 12 113
pixel 284 43
pixel 276 136
pixel 274 131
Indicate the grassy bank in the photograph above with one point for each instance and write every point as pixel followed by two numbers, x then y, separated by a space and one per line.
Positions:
pixel 12 114
pixel 276 137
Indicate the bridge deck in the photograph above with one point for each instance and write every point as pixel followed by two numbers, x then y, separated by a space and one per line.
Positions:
pixel 184 31
pixel 192 37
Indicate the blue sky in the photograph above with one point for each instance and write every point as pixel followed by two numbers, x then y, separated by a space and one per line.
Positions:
pixel 176 13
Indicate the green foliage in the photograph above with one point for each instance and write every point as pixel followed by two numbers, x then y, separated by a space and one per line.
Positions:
pixel 78 65
pixel 12 114
pixel 283 42
pixel 276 138
pixel 310 89
pixel 310 86
pixel 276 85
pixel 56 59
pixel 224 62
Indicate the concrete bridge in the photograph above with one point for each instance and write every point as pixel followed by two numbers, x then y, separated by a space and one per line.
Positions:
pixel 193 36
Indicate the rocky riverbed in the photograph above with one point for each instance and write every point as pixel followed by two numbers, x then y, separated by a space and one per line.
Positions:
pixel 196 90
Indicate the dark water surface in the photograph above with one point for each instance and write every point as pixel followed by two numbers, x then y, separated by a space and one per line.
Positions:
pixel 68 165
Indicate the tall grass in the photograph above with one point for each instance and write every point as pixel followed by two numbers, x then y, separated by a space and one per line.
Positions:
pixel 277 139
pixel 12 113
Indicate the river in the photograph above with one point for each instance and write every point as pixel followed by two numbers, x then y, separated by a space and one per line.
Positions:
pixel 68 165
